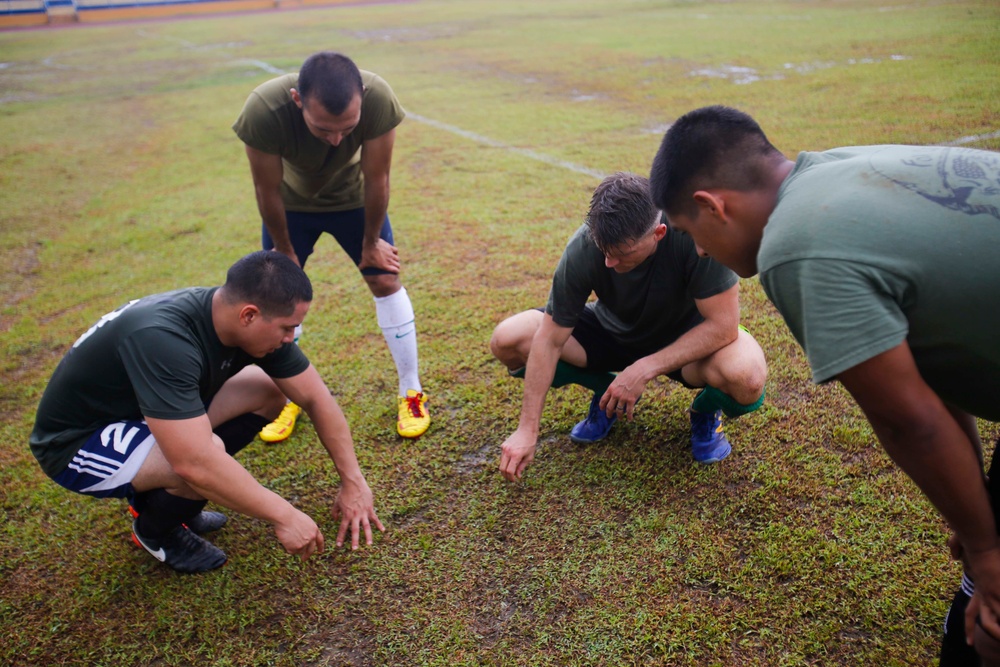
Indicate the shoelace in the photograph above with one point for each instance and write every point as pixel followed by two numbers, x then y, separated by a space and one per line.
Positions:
pixel 703 429
pixel 413 405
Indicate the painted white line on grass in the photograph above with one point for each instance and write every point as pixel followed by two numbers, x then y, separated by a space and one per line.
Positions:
pixel 972 139
pixel 526 152
pixel 262 65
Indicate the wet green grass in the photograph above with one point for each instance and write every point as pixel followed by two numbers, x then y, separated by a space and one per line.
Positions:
pixel 119 176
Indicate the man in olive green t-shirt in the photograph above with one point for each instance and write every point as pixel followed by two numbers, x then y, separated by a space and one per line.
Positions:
pixel 882 261
pixel 320 147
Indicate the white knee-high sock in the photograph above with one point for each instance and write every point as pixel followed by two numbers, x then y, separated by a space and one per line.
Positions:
pixel 396 319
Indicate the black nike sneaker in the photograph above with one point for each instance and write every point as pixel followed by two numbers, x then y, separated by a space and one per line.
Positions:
pixel 182 550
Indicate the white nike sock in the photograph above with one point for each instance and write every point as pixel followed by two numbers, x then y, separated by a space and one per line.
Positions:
pixel 395 317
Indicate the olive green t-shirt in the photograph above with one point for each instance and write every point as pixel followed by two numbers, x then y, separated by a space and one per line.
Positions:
pixel 872 246
pixel 158 357
pixel 646 308
pixel 317 176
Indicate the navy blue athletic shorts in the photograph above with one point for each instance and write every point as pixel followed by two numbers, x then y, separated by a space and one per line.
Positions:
pixel 107 463
pixel 348 227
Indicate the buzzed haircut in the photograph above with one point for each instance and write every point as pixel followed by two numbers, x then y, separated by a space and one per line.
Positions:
pixel 330 78
pixel 711 147
pixel 621 211
pixel 269 280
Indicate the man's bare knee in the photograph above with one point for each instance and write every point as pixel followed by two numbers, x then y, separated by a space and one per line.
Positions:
pixel 384 284
pixel 745 371
pixel 500 343
pixel 511 340
pixel 217 442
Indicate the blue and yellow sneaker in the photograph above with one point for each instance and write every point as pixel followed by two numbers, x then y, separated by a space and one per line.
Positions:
pixel 708 442
pixel 596 426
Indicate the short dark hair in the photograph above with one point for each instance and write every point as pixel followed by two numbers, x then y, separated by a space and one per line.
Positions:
pixel 711 147
pixel 621 211
pixel 332 79
pixel 269 280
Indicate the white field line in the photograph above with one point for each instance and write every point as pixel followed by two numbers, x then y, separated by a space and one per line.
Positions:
pixel 526 152
pixel 972 139
pixel 262 65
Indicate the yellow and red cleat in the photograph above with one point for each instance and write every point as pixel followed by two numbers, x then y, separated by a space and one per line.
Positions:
pixel 283 426
pixel 413 417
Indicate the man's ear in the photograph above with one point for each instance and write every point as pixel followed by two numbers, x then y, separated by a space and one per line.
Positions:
pixel 296 98
pixel 659 231
pixel 248 314
pixel 710 203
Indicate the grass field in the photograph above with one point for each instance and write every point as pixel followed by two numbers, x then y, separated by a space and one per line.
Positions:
pixel 120 177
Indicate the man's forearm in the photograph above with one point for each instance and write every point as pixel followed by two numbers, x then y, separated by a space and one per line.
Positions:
pixel 538 374
pixel 697 343
pixel 376 205
pixel 968 424
pixel 222 480
pixel 272 214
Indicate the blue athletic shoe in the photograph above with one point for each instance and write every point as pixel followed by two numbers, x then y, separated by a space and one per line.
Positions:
pixel 596 426
pixel 708 442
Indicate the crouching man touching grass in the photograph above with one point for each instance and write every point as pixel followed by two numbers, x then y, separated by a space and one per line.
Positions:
pixel 154 400
pixel 660 310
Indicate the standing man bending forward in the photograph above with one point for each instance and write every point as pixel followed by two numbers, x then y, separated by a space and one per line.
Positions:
pixel 154 400
pixel 320 148
pixel 882 261
pixel 660 310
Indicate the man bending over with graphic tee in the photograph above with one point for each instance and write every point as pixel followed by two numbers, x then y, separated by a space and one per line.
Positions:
pixel 882 261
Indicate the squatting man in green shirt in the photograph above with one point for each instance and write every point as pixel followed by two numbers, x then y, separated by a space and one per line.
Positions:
pixel 154 400
pixel 883 262
pixel 660 310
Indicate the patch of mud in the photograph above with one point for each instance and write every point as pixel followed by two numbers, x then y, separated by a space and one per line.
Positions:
pixel 656 129
pixel 21 264
pixel 25 97
pixel 475 461
pixel 577 96
pixel 406 34
pixel 347 643
pixel 747 75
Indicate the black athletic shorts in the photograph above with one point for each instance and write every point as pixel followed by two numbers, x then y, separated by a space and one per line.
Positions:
pixel 604 353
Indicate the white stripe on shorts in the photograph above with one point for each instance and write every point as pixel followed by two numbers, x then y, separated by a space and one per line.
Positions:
pixel 91 468
pixel 92 464
pixel 126 473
